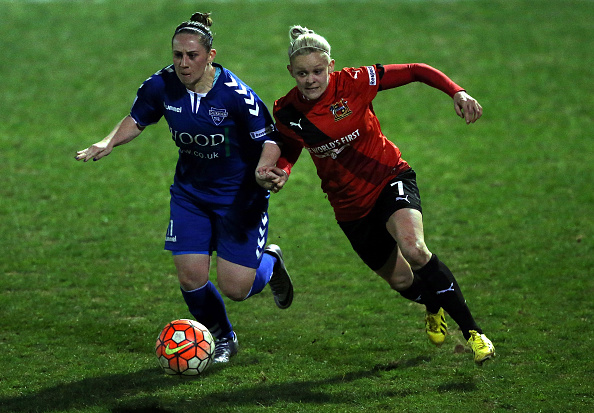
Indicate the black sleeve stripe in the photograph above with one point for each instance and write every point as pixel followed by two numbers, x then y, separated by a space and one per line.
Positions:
pixel 292 119
pixel 381 71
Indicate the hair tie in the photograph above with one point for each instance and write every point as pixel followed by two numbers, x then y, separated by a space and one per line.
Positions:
pixel 309 47
pixel 196 29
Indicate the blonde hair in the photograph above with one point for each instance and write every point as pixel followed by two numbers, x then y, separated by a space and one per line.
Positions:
pixel 305 41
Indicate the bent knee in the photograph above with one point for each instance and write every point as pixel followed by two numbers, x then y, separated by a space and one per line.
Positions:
pixel 398 279
pixel 190 282
pixel 417 255
pixel 235 288
pixel 238 295
pixel 401 282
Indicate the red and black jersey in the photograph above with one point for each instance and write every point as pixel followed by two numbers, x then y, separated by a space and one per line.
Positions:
pixel 341 132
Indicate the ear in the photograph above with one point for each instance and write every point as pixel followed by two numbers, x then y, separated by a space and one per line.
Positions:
pixel 290 69
pixel 331 66
pixel 211 55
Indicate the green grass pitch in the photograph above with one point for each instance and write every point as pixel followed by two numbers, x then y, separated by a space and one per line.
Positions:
pixel 508 203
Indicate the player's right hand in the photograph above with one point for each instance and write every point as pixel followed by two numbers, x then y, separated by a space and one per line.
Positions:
pixel 94 152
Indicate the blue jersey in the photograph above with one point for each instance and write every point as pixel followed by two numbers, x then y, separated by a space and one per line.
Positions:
pixel 220 134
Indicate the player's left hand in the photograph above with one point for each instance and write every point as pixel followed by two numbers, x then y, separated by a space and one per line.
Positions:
pixel 271 178
pixel 467 107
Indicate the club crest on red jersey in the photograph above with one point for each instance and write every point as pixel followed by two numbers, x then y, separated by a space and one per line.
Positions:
pixel 340 110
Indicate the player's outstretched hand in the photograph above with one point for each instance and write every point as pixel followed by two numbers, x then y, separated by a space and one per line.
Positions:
pixel 94 152
pixel 271 178
pixel 467 107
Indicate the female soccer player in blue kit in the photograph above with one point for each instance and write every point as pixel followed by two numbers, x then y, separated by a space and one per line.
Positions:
pixel 224 132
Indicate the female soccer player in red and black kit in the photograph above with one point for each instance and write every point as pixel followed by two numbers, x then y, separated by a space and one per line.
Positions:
pixel 372 189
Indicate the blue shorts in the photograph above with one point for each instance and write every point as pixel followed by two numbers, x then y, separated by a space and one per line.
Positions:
pixel 238 232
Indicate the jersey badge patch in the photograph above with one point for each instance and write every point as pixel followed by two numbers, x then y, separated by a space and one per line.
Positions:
pixel 372 76
pixel 268 130
pixel 218 115
pixel 340 110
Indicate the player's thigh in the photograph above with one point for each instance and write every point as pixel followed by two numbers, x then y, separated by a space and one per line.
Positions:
pixel 406 226
pixel 190 227
pixel 400 203
pixel 234 280
pixel 192 270
pixel 241 235
pixel 396 271
pixel 241 238
pixel 370 239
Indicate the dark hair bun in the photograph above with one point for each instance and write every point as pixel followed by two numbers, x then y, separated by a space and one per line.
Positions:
pixel 203 18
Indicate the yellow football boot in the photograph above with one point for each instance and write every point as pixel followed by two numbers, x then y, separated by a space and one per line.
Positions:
pixel 481 346
pixel 436 327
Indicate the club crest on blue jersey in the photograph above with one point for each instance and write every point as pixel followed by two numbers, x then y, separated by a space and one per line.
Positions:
pixel 340 110
pixel 218 115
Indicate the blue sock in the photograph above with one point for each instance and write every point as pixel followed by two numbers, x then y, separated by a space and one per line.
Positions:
pixel 207 307
pixel 263 274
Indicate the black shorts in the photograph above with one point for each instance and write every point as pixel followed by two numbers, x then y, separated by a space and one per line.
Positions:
pixel 369 235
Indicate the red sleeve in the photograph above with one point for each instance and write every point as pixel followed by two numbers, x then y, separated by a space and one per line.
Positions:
pixel 395 75
pixel 290 152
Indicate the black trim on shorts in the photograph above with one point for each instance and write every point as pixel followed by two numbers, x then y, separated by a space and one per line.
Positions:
pixel 369 236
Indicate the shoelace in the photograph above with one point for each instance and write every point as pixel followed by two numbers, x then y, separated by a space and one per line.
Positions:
pixel 221 345
pixel 479 342
pixel 434 323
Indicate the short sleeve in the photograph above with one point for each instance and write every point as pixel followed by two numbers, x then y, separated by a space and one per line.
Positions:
pixel 148 107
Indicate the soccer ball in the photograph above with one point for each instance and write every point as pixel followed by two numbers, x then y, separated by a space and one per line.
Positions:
pixel 185 347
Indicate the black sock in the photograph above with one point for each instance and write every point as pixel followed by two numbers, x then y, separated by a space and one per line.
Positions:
pixel 413 293
pixel 419 293
pixel 441 281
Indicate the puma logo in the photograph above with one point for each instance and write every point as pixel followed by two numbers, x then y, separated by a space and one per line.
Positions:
pixel 297 125
pixel 451 288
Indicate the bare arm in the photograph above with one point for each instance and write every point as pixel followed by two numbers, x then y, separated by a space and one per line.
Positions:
pixel 268 175
pixel 124 132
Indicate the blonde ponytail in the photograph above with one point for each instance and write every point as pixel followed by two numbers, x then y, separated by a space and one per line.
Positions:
pixel 305 41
